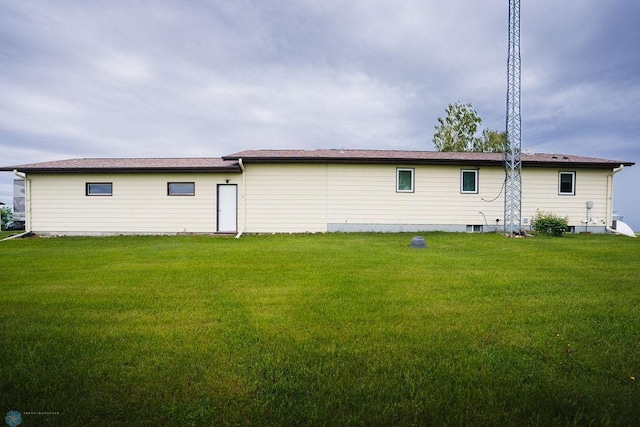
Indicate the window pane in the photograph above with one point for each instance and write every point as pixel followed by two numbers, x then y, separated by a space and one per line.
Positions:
pixel 99 189
pixel 469 181
pixel 405 180
pixel 566 183
pixel 182 188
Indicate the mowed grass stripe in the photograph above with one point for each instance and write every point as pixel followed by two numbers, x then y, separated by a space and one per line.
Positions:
pixel 334 329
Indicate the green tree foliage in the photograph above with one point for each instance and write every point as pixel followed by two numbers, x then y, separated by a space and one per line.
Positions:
pixel 457 132
pixel 6 215
pixel 492 141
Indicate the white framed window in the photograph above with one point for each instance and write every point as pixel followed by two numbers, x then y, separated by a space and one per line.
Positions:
pixel 469 181
pixel 567 183
pixel 99 188
pixel 181 188
pixel 405 179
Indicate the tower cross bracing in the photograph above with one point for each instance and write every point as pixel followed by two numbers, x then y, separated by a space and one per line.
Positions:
pixel 513 149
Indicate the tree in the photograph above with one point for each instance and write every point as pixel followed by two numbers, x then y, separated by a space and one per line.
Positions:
pixel 492 141
pixel 457 131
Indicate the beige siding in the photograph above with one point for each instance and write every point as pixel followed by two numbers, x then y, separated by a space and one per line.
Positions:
pixel 367 194
pixel 139 204
pixel 286 198
pixel 299 198
pixel 540 193
pixel 304 198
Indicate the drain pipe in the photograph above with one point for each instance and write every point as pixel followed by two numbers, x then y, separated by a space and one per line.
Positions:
pixel 244 198
pixel 609 226
pixel 16 236
pixel 27 201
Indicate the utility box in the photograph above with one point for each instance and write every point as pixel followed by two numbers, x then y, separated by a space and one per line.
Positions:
pixel 418 243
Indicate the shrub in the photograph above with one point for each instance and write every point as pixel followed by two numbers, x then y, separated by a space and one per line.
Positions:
pixel 548 223
pixel 6 215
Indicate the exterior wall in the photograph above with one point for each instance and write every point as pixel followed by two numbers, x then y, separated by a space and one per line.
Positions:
pixel 342 197
pixel 286 198
pixel 336 197
pixel 139 204
pixel 307 198
pixel 540 187
pixel 366 194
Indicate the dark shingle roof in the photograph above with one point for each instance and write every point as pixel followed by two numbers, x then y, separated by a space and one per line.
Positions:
pixel 203 164
pixel 230 163
pixel 415 157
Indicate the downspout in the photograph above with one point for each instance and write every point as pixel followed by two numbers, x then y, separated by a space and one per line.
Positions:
pixel 244 198
pixel 27 202
pixel 610 199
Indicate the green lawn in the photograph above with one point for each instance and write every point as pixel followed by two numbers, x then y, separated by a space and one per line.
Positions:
pixel 335 329
pixel 5 234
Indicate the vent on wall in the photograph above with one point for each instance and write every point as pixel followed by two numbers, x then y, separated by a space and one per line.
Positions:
pixel 525 220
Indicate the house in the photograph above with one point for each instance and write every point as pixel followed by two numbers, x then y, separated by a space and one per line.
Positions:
pixel 292 191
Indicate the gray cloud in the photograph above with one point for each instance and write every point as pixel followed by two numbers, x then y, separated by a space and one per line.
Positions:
pixel 111 78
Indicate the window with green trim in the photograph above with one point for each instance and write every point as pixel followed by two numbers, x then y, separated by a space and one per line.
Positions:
pixel 567 183
pixel 469 181
pixel 405 180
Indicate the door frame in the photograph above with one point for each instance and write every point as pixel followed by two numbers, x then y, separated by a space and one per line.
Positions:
pixel 218 208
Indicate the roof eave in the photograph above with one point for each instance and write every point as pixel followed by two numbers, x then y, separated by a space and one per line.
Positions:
pixel 479 162
pixel 227 169
pixel 364 160
pixel 589 165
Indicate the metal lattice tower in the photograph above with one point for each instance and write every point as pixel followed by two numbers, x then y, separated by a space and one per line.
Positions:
pixel 513 149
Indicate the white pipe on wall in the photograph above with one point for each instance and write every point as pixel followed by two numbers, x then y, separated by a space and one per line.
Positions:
pixel 609 218
pixel 244 199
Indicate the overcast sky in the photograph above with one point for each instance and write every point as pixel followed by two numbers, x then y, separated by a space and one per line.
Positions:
pixel 209 78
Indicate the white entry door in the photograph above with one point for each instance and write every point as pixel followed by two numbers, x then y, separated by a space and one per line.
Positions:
pixel 227 208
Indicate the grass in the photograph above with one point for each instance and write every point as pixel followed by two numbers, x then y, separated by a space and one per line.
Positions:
pixel 4 234
pixel 336 329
